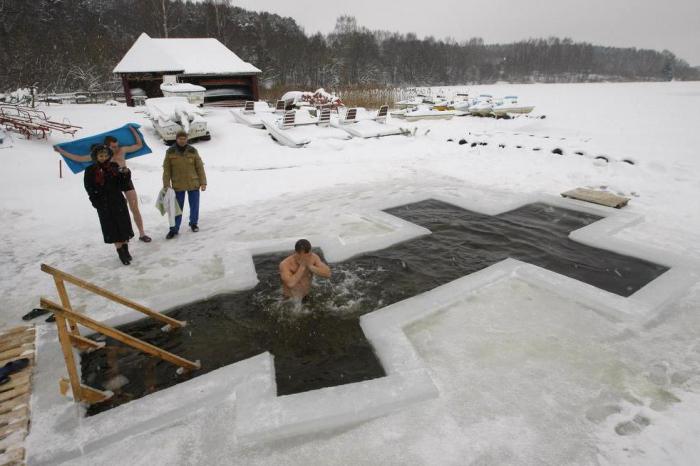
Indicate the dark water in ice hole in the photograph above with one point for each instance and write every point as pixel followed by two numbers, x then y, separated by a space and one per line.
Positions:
pixel 320 344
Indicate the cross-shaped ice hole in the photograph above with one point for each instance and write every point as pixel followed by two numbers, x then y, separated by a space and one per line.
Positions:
pixel 320 343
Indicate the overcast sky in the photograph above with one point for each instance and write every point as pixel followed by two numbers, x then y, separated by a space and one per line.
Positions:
pixel 656 24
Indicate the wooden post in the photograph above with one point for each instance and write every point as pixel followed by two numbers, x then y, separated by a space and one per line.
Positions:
pixel 111 296
pixel 88 394
pixel 118 335
pixel 63 295
pixel 85 344
pixel 60 168
pixel 64 339
pixel 254 86
pixel 127 91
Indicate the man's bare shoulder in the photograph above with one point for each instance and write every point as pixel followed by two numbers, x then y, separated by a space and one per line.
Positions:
pixel 286 262
pixel 316 257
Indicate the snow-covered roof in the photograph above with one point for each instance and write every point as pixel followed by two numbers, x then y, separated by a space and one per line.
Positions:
pixel 182 56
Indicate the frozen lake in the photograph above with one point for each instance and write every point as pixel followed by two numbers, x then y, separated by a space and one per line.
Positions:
pixel 521 375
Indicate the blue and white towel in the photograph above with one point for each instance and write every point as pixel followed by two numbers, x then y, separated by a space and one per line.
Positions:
pixel 84 145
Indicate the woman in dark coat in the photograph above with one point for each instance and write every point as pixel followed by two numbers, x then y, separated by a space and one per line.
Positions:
pixel 104 183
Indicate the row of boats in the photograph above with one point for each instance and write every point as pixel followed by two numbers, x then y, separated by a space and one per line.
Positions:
pixel 425 107
pixel 302 124
pixel 299 126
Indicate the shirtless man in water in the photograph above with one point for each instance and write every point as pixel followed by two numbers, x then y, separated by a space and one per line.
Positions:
pixel 297 270
pixel 119 156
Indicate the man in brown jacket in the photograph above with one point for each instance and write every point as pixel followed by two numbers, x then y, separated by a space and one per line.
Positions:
pixel 183 170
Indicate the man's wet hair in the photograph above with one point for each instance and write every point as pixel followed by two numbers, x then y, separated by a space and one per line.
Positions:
pixel 109 140
pixel 302 245
pixel 181 133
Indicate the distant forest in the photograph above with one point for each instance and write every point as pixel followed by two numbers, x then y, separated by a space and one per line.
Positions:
pixel 66 45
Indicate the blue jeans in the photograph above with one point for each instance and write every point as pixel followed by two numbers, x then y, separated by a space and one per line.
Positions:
pixel 193 200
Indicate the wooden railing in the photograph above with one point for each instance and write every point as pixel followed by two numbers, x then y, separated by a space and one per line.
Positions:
pixel 67 321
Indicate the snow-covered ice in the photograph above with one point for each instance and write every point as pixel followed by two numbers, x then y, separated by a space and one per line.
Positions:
pixel 522 373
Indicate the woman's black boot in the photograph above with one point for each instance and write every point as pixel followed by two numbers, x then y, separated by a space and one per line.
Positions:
pixel 126 248
pixel 122 255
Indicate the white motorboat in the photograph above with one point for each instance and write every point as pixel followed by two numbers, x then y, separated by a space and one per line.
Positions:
pixel 427 113
pixel 297 128
pixel 172 114
pixel 193 93
pixel 410 103
pixel 461 106
pixel 510 104
pixel 250 115
pixel 364 126
pixel 482 105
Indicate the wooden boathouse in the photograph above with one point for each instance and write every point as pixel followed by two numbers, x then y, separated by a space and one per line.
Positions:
pixel 206 62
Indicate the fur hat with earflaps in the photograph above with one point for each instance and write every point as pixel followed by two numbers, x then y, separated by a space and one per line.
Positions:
pixel 97 148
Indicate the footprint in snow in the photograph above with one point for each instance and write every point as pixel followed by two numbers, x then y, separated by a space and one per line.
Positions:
pixel 634 426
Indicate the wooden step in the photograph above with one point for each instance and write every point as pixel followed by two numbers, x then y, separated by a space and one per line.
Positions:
pixel 597 197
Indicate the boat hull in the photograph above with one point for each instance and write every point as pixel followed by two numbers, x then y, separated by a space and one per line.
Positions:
pixel 369 129
pixel 514 110
pixel 446 115
pixel 248 119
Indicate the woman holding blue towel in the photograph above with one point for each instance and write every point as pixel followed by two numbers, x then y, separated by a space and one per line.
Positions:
pixel 119 156
pixel 105 181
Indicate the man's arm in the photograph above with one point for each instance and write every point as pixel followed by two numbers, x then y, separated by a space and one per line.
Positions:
pixel 73 157
pixel 291 279
pixel 167 172
pixel 199 168
pixel 134 147
pixel 318 267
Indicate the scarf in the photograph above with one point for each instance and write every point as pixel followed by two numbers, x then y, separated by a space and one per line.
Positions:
pixel 103 171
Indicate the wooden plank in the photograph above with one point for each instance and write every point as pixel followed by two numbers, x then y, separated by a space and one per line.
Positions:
pixel 13 353
pixel 15 331
pixel 597 197
pixel 67 354
pixel 16 379
pixel 17 341
pixel 17 426
pixel 29 356
pixel 111 296
pixel 85 344
pixel 63 295
pixel 12 457
pixel 11 442
pixel 14 415
pixel 14 403
pixel 120 336
pixel 15 392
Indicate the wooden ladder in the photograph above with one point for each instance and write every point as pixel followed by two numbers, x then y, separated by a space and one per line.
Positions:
pixel 67 321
